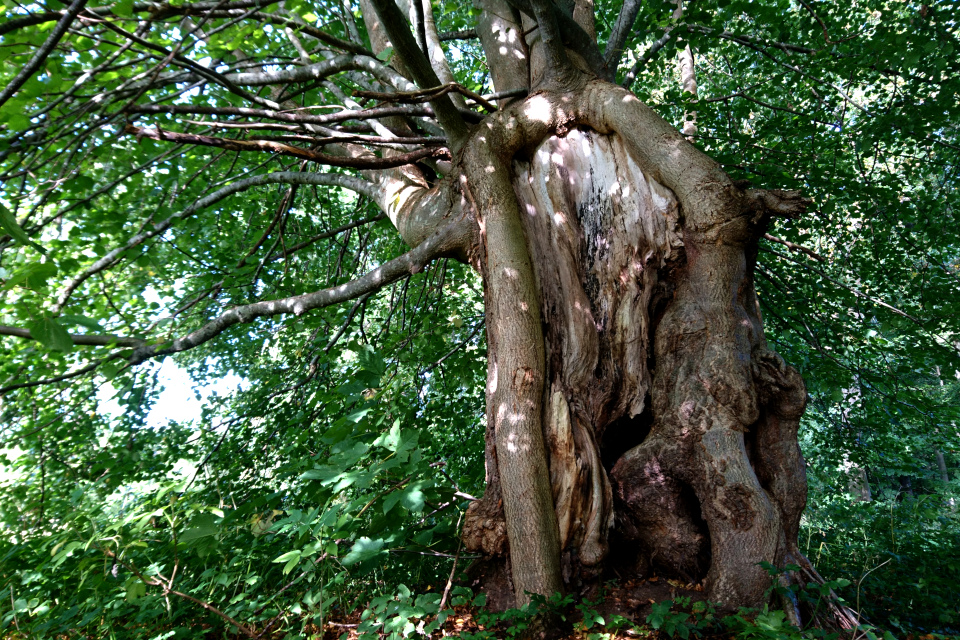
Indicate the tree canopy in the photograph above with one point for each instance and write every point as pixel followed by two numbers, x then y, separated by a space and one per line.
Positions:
pixel 225 185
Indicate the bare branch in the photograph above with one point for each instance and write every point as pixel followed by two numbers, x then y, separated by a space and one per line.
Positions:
pixel 796 247
pixel 779 203
pixel 558 29
pixel 434 48
pixel 327 234
pixel 41 55
pixel 286 116
pixel 448 239
pixel 70 374
pixel 321 70
pixel 621 31
pixel 406 48
pixel 279 177
pixel 425 95
pixel 465 34
pixel 359 162
pixel 86 340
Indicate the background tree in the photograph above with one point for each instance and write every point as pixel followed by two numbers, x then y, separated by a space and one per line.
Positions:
pixel 635 409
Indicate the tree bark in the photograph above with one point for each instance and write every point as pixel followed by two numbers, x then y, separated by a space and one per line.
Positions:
pixel 663 412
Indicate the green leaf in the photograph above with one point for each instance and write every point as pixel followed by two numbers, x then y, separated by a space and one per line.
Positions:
pixel 412 496
pixel 9 224
pixel 292 558
pixel 363 549
pixel 123 7
pixel 110 370
pixel 201 526
pixel 48 332
pixel 82 321
pixel 35 275
pixel 286 557
pixel 135 589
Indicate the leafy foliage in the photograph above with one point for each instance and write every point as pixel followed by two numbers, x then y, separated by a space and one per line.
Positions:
pixel 339 466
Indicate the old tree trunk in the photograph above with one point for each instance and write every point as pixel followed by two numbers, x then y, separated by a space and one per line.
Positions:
pixel 627 358
pixel 636 416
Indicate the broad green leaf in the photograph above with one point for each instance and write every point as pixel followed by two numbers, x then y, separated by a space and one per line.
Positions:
pixel 135 589
pixel 8 224
pixel 363 549
pixel 201 526
pixel 82 321
pixel 48 332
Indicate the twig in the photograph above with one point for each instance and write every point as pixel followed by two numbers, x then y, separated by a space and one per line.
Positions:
pixel 453 570
pixel 87 340
pixel 13 607
pixel 796 247
pixel 61 378
pixel 426 95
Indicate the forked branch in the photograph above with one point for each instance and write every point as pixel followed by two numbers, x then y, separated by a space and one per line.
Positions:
pixel 83 340
pixel 280 177
pixel 450 238
pixel 270 146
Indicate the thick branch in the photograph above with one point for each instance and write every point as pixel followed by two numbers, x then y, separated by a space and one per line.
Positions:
pixel 446 240
pixel 621 31
pixel 434 50
pixel 777 202
pixel 280 177
pixel 465 34
pixel 558 29
pixel 325 69
pixel 648 55
pixel 423 74
pixel 361 162
pixel 425 95
pixel 87 340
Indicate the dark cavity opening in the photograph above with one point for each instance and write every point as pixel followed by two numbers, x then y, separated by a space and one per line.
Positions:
pixel 690 502
pixel 624 434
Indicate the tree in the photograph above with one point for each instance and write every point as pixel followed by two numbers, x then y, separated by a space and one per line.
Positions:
pixel 632 398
